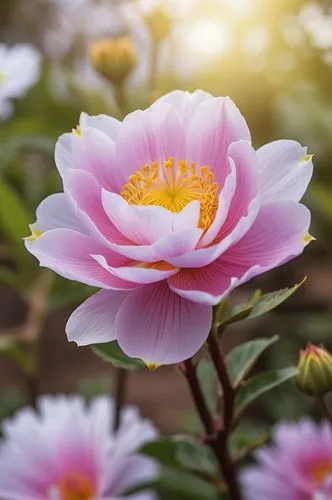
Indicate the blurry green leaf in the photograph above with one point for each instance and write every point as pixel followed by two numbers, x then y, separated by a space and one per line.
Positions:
pixel 243 357
pixel 246 438
pixel 11 400
pixel 270 301
pixel 191 423
pixel 112 353
pixel 176 484
pixel 260 384
pixel 8 276
pixel 196 457
pixel 183 453
pixel 206 376
pixel 163 450
pixel 14 217
pixel 11 349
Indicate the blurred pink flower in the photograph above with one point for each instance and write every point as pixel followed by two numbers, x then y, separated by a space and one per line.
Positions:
pixel 297 466
pixel 167 212
pixel 67 451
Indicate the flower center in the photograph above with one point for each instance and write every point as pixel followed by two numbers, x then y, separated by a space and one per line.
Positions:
pixel 76 487
pixel 321 470
pixel 173 185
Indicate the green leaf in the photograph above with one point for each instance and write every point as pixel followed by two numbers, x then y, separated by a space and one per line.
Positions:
pixel 176 484
pixel 183 453
pixel 270 301
pixel 163 450
pixel 242 358
pixel 14 217
pixel 260 384
pixel 206 376
pixel 196 457
pixel 237 313
pixel 246 438
pixel 112 353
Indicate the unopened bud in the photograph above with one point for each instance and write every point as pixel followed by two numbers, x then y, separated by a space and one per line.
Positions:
pixel 113 58
pixel 159 22
pixel 315 371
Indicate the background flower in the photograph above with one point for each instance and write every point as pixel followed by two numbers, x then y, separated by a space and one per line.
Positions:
pixel 168 211
pixel 68 451
pixel 297 466
pixel 19 70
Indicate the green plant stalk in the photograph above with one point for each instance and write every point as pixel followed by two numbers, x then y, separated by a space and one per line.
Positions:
pixel 216 437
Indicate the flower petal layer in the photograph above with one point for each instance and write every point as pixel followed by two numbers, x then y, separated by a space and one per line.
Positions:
pixel 285 170
pixel 156 325
pixel 93 321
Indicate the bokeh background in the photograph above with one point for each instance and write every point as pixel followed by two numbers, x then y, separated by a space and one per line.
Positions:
pixel 274 58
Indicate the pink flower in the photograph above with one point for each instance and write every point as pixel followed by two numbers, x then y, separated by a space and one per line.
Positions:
pixel 167 212
pixel 68 452
pixel 297 466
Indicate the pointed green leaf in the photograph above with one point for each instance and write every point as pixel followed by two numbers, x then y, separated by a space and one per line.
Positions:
pixel 242 358
pixel 196 457
pixel 237 313
pixel 260 384
pixel 206 376
pixel 112 353
pixel 270 301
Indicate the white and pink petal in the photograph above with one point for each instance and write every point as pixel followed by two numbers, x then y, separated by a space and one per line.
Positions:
pixel 158 326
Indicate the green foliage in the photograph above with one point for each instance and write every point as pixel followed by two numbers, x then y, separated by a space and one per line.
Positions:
pixel 257 306
pixel 242 358
pixel 207 379
pixel 112 353
pixel 260 384
pixel 179 456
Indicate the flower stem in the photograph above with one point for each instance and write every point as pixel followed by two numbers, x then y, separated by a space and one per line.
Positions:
pixel 120 395
pixel 228 390
pixel 216 438
pixel 325 409
pixel 189 370
pixel 120 99
pixel 229 393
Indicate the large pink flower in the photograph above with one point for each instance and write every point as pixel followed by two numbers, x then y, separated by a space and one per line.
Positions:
pixel 167 212
pixel 298 465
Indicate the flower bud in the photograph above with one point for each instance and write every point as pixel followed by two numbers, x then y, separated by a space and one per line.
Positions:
pixel 113 58
pixel 315 371
pixel 159 23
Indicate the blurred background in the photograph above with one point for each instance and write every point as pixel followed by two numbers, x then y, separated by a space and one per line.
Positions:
pixel 273 57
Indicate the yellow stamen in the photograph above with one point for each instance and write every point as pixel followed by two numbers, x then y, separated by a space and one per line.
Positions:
pixel 321 470
pixel 173 185
pixel 35 233
pixel 307 238
pixel 307 158
pixel 76 487
pixel 152 366
pixel 77 131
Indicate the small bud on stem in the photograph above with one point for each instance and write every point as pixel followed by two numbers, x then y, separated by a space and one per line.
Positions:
pixel 315 371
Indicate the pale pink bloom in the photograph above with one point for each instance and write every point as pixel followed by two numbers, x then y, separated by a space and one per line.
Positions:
pixel 297 466
pixel 19 70
pixel 68 451
pixel 167 212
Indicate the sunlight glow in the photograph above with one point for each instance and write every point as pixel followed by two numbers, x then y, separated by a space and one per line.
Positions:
pixel 207 37
pixel 239 7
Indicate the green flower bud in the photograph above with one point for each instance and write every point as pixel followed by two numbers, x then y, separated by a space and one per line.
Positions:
pixel 113 58
pixel 315 371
